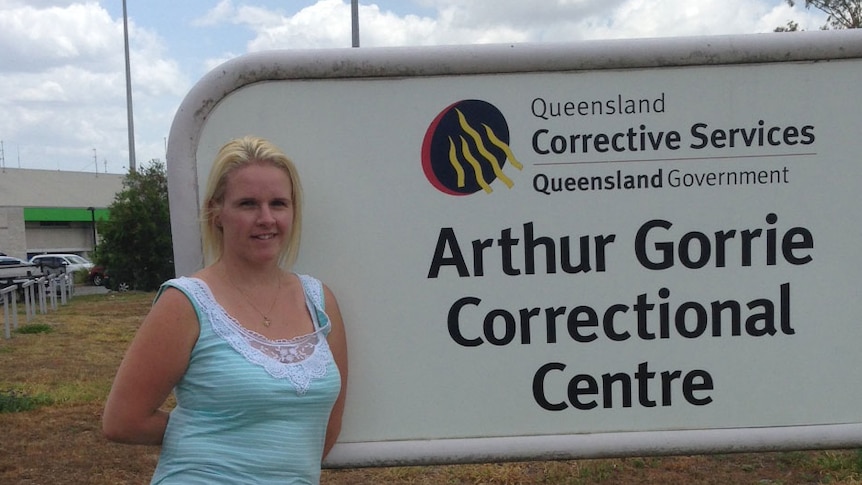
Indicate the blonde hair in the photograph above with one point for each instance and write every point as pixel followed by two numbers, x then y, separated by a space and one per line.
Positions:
pixel 234 155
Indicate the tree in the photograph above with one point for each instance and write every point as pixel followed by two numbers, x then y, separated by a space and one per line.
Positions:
pixel 790 27
pixel 841 14
pixel 135 242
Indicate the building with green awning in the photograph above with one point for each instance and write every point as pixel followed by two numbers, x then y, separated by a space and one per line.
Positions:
pixel 47 211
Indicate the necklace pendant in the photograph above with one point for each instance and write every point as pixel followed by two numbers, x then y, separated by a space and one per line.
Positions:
pixel 266 322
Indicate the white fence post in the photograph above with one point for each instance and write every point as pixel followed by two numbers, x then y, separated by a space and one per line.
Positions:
pixel 8 293
pixel 29 291
pixel 43 283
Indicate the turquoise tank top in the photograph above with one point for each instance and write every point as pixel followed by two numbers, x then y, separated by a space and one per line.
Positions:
pixel 249 409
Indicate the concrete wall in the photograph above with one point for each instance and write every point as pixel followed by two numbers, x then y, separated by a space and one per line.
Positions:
pixel 13 241
pixel 75 238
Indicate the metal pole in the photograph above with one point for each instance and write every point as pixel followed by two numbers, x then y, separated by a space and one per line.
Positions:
pixel 93 223
pixel 129 92
pixel 354 15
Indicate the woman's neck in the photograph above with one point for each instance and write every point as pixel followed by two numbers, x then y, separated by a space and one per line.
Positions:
pixel 249 275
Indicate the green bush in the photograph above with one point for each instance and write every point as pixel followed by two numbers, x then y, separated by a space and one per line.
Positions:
pixel 81 276
pixel 135 242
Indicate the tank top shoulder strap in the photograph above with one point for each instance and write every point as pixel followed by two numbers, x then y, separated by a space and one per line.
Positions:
pixel 194 289
pixel 313 289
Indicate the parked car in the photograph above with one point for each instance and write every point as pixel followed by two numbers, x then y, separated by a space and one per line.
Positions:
pixel 98 276
pixel 10 261
pixel 13 268
pixel 55 262
pixel 101 276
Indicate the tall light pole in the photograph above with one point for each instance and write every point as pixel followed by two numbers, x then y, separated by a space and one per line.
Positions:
pixel 131 122
pixel 354 16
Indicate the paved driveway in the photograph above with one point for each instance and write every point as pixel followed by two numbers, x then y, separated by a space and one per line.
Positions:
pixel 90 290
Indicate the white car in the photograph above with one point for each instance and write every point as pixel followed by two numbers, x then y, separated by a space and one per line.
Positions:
pixel 53 262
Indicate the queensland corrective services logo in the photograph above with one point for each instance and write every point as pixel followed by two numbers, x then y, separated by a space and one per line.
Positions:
pixel 466 149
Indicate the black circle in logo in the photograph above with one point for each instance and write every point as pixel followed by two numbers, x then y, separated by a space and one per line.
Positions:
pixel 466 148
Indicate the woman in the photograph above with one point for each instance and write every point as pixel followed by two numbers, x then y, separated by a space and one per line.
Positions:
pixel 255 354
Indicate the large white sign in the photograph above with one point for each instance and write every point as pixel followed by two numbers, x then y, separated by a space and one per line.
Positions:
pixel 543 252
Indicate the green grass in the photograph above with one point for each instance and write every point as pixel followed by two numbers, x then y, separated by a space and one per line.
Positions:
pixel 35 328
pixel 841 466
pixel 13 401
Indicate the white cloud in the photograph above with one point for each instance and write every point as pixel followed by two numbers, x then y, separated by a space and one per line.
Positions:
pixel 517 14
pixel 62 76
pixel 34 39
pixel 39 4
pixel 62 83
pixel 154 72
pixel 326 23
pixel 222 12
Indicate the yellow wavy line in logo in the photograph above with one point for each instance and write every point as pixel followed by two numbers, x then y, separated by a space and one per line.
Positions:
pixel 465 148
pixel 480 145
pixel 502 146
pixel 456 164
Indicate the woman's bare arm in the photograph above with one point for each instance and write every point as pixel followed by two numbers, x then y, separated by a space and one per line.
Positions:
pixel 338 345
pixel 155 361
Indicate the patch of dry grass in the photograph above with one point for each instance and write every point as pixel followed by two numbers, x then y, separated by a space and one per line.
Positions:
pixel 76 362
pixel 73 366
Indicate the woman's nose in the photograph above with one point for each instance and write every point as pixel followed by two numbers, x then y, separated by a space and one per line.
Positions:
pixel 265 215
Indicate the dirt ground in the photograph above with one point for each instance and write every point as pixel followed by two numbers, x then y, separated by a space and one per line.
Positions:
pixel 63 445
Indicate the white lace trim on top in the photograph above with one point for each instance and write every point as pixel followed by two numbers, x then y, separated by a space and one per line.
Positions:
pixel 301 359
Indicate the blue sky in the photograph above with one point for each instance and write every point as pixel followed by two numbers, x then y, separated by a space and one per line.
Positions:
pixel 62 84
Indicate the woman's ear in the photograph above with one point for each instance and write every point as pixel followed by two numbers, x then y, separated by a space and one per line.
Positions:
pixel 216 212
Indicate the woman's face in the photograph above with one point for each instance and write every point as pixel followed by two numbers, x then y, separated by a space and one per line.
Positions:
pixel 256 215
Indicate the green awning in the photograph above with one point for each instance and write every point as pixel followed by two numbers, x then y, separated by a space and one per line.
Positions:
pixel 64 214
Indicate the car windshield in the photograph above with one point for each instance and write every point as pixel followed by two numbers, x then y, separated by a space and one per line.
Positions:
pixel 77 259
